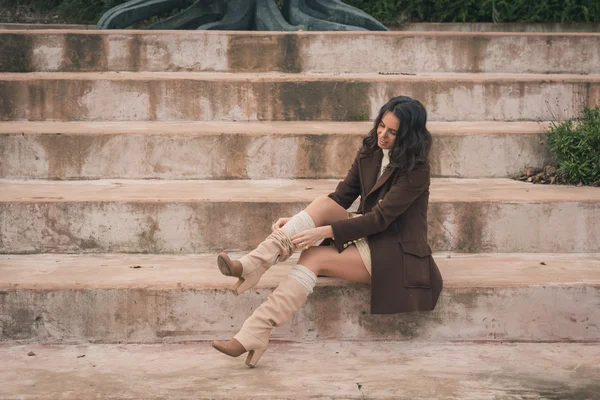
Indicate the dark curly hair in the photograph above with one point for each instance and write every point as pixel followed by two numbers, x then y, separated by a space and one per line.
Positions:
pixel 413 140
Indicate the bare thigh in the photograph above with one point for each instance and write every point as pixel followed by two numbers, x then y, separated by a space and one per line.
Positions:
pixel 326 261
pixel 324 211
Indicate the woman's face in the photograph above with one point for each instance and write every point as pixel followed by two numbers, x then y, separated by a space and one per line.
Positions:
pixel 387 130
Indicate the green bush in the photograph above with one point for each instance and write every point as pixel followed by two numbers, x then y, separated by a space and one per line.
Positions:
pixel 396 11
pixel 73 11
pixel 575 143
pixel 83 11
pixel 399 11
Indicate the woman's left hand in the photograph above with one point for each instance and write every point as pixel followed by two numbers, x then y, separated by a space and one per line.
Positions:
pixel 304 240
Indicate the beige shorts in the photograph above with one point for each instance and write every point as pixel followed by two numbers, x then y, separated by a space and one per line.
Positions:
pixel 362 245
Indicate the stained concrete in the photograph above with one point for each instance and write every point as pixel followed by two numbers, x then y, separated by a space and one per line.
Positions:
pixel 457 128
pixel 73 298
pixel 330 52
pixel 170 96
pixel 443 190
pixel 467 215
pixel 250 150
pixel 331 370
pixel 58 298
pixel 199 271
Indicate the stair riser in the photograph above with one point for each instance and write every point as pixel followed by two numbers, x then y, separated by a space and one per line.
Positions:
pixel 138 227
pixel 536 313
pixel 263 99
pixel 330 53
pixel 235 156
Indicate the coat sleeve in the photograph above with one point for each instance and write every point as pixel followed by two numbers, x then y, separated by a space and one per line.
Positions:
pixel 348 190
pixel 407 188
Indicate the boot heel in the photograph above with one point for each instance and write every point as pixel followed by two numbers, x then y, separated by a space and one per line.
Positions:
pixel 254 356
pixel 244 284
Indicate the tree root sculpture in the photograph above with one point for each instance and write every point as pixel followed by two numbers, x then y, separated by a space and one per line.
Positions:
pixel 259 15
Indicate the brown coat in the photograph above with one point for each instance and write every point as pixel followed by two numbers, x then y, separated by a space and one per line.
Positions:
pixel 394 207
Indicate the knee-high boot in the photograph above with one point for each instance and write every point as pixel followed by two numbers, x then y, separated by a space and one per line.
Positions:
pixel 275 248
pixel 278 309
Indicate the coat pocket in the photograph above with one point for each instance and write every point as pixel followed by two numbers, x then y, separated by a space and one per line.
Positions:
pixel 417 265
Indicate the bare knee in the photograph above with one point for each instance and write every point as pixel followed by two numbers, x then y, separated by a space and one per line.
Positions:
pixel 324 211
pixel 310 259
pixel 321 202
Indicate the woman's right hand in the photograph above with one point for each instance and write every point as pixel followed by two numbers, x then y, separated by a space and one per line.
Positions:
pixel 280 222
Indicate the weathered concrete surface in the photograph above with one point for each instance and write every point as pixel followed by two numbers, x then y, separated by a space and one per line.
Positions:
pixel 468 215
pixel 199 271
pixel 332 370
pixel 249 150
pixel 329 52
pixel 67 298
pixel 169 96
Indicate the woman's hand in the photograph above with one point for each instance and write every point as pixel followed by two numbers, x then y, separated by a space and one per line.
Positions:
pixel 304 240
pixel 280 222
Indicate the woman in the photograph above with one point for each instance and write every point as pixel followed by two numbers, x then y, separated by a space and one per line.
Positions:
pixel 384 244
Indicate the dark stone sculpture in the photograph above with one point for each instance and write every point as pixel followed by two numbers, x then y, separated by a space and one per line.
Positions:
pixel 260 15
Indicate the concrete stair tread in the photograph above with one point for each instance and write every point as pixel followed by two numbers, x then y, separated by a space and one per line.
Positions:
pixel 348 370
pixel 199 271
pixel 259 127
pixel 453 77
pixel 275 191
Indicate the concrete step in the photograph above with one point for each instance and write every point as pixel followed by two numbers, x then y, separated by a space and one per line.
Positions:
pixel 467 215
pixel 175 96
pixel 261 150
pixel 322 52
pixel 52 298
pixel 332 370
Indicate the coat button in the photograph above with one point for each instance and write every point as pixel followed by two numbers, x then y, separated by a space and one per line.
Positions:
pixel 345 245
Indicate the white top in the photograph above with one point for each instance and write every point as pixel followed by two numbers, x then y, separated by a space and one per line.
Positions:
pixel 384 162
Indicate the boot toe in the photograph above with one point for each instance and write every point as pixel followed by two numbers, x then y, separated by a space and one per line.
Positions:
pixel 231 347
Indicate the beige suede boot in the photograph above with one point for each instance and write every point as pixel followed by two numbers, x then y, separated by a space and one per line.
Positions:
pixel 275 248
pixel 278 309
pixel 251 267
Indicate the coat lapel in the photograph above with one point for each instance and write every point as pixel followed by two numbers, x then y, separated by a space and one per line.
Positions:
pixel 369 168
pixel 382 179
